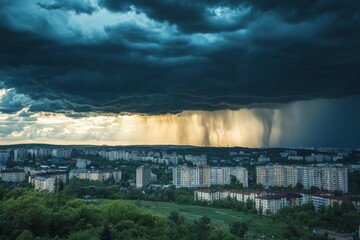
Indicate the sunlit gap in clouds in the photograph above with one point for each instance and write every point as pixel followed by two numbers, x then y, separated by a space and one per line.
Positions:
pixel 251 128
pixel 2 93
pixel 318 122
pixel 218 128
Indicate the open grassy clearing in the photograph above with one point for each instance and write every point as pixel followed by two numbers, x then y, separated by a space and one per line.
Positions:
pixel 257 224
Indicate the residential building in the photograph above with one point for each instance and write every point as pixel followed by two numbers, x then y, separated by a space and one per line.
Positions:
pixel 95 175
pixel 204 176
pixel 322 200
pixel 44 184
pixel 327 178
pixel 58 175
pixel 196 160
pixel 265 175
pixel 270 204
pixel 206 195
pixel 12 175
pixel 4 156
pixel 82 163
pixel 263 158
pixel 143 176
pixel 21 154
pixel 243 195
pixel 246 195
pixel 61 153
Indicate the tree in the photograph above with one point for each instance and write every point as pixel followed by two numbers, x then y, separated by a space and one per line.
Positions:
pixel 36 218
pixel 314 189
pixel 260 212
pixel 202 228
pixel 233 181
pixel 25 235
pixel 2 193
pixel 106 233
pixel 291 231
pixel 238 228
pixel 299 186
pixel 219 234
pixel 61 185
pixel 176 218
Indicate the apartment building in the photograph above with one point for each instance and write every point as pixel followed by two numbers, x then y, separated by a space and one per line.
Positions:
pixel 206 195
pixel 143 176
pixel 4 156
pixel 44 184
pixel 270 204
pixel 96 175
pixel 185 176
pixel 12 175
pixel 242 195
pixel 327 178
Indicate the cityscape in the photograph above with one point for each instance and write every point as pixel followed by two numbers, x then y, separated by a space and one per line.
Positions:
pixel 266 179
pixel 189 120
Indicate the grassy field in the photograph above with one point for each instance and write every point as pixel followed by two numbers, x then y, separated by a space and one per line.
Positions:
pixel 257 224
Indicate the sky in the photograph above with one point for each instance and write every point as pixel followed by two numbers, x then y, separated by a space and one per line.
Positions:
pixel 210 73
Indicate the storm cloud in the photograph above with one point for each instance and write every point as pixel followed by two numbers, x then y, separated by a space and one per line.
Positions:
pixel 154 57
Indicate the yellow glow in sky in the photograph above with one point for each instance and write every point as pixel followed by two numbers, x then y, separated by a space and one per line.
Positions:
pixel 219 128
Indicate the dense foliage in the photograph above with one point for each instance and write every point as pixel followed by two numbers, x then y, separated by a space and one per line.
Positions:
pixel 107 189
pixel 25 214
pixel 340 218
pixel 354 182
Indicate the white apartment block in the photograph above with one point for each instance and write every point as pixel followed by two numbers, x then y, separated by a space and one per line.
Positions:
pixel 185 176
pixel 44 184
pixel 270 204
pixel 196 160
pixel 323 200
pixel 265 202
pixel 20 154
pixel 60 176
pixel 61 153
pixel 82 163
pixel 326 178
pixel 143 176
pixel 240 195
pixel 12 175
pixel 265 175
pixel 95 175
pixel 262 159
pixel 206 195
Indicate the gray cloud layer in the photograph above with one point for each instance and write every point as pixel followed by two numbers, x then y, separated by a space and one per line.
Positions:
pixel 168 56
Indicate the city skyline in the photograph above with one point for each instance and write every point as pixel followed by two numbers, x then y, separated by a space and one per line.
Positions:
pixel 224 73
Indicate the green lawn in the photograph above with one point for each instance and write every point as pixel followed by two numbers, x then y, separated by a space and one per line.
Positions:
pixel 257 224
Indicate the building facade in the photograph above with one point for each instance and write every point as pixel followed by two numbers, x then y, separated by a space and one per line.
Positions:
pixel 4 156
pixel 143 176
pixel 205 176
pixel 96 175
pixel 44 184
pixel 12 175
pixel 270 204
pixel 326 178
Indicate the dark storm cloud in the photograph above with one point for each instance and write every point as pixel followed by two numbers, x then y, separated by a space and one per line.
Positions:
pixel 331 123
pixel 168 56
pixel 193 16
pixel 190 16
pixel 78 6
